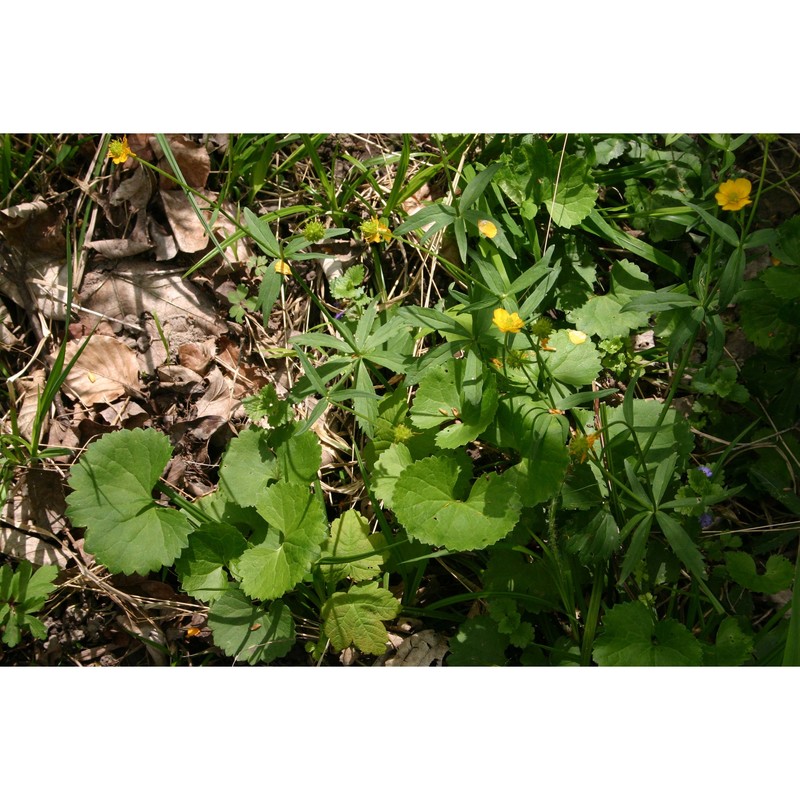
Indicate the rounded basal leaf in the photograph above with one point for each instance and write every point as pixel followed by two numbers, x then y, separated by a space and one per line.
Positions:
pixel 112 498
pixel 426 505
pixel 248 632
pixel 630 637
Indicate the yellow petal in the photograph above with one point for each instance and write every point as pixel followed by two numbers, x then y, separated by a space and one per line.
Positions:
pixel 487 228
pixel 283 268
pixel 577 337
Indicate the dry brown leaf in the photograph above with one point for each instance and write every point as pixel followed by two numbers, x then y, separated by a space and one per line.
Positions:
pixel 219 399
pixel 197 355
pixel 192 158
pixel 420 650
pixel 21 545
pixel 105 370
pixel 29 389
pixel 138 286
pixel 165 244
pixel 118 248
pixel 190 234
pixel 136 191
pixel 7 338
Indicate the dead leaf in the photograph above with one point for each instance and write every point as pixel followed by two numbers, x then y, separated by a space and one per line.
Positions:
pixel 137 287
pixel 106 369
pixel 219 399
pixel 29 389
pixel 136 191
pixel 7 338
pixel 118 248
pixel 21 545
pixel 190 234
pixel 192 159
pixel 197 356
pixel 420 650
pixel 166 247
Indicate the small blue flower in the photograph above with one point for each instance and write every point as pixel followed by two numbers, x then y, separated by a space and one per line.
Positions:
pixel 706 471
pixel 705 519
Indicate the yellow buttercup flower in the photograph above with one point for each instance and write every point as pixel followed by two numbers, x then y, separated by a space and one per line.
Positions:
pixel 374 230
pixel 119 151
pixel 577 337
pixel 283 268
pixel 733 195
pixel 487 228
pixel 508 323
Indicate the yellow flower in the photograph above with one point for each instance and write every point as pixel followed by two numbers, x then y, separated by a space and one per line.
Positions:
pixel 577 337
pixel 508 323
pixel 488 229
pixel 375 229
pixel 283 268
pixel 119 151
pixel 733 195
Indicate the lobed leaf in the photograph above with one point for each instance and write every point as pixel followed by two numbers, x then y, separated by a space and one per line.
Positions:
pixel 356 617
pixel 112 484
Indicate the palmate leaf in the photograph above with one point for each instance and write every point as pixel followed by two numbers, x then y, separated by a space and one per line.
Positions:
pixel 356 617
pixel 426 504
pixel 112 484
pixel 630 637
pixel 350 539
pixel 279 563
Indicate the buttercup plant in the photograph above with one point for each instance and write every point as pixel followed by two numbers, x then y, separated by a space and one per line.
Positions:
pixel 539 455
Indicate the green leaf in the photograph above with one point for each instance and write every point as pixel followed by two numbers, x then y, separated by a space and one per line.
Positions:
pixel 522 173
pixel 672 435
pixel 575 193
pixel 249 632
pixel 778 572
pixel 787 248
pixel 732 646
pixel 22 593
pixel 476 187
pixel 248 466
pixel 112 498
pixel 783 282
pixel 266 404
pixel 388 469
pixel 201 566
pixel 256 457
pixel 478 643
pixel 355 617
pixel 426 506
pixel 597 225
pixel 279 563
pixel 441 398
pixel 603 315
pixel 526 425
pixel 350 540
pixel 681 543
pixel 574 364
pixel 631 638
